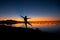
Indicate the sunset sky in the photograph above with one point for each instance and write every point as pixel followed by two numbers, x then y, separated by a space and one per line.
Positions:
pixel 38 10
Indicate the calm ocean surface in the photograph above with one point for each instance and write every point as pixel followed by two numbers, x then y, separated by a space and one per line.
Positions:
pixel 46 27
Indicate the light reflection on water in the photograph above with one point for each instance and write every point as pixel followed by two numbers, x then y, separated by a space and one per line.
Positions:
pixel 35 25
pixel 44 27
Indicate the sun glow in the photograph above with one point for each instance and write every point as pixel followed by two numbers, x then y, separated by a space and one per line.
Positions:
pixel 32 18
pixel 43 19
pixel 35 19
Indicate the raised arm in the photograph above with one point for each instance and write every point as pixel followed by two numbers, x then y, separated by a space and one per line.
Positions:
pixel 22 16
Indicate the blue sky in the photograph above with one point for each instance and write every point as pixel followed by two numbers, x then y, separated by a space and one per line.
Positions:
pixel 47 8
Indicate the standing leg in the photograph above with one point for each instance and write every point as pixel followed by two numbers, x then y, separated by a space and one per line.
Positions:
pixel 26 25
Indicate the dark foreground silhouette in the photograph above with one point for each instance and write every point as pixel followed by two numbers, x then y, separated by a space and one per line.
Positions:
pixel 4 28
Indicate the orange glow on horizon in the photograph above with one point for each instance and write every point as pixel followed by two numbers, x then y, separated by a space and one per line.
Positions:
pixel 11 18
pixel 32 18
pixel 43 19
